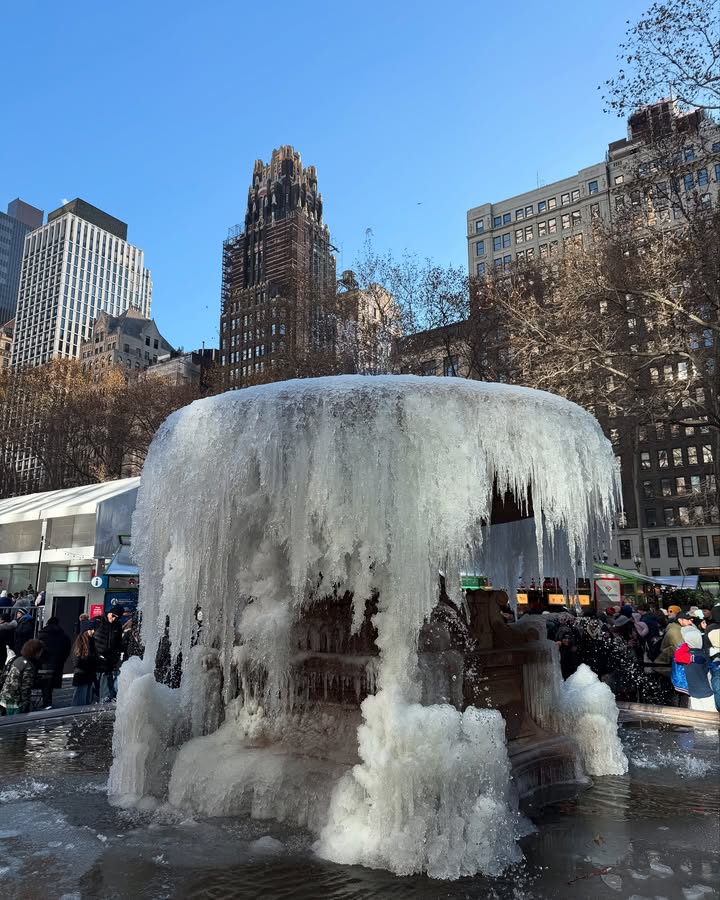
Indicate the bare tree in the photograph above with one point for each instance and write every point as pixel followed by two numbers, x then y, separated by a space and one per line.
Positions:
pixel 674 49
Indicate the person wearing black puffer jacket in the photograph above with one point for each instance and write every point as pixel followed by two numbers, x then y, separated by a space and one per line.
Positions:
pixel 52 662
pixel 108 644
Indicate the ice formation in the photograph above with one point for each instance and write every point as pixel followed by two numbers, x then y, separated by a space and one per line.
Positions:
pixel 256 503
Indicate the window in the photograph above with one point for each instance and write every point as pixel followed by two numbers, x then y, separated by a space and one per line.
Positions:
pixel 689 154
pixel 479 226
pixel 552 203
pixel 707 455
pixel 497 221
pixel 529 210
pixel 672 548
pixel 625 549
pixel 650 518
pixel 662 459
pixel 576 217
pixel 126 348
pixel 497 262
pixel 684 515
pixel 507 260
pixel 687 546
pixel 648 490
pixel 692 456
pixel 689 181
pixel 147 341
pixel 506 218
pixel 479 248
pixel 666 487
pixel 593 187
pixel 619 179
pixel 564 199
pixel 497 243
pixel 702 177
pixel 655 377
pixel 680 485
pixel 481 268
pixel 542 206
pixel 575 196
pixel 645 460
pixel 594 210
pixel 552 226
pixel 565 221
pixel 519 235
pixel 528 232
pixel 519 213
pixel 654 548
pixel 703 548
pixel 542 229
pixel 677 455
pixel 669 516
pixel 506 239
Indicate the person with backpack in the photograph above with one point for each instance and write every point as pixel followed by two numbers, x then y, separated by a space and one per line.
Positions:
pixel 57 650
pixel 18 679
pixel 691 671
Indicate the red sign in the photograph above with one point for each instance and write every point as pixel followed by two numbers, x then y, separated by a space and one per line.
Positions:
pixel 96 609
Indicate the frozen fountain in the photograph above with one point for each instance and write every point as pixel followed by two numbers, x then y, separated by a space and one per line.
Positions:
pixel 331 684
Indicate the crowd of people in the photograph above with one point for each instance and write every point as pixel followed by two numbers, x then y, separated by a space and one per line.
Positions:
pixel 36 662
pixel 647 647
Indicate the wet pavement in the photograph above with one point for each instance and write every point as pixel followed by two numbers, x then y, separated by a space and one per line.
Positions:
pixel 651 835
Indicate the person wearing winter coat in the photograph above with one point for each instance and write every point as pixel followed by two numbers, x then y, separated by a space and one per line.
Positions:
pixel 57 650
pixel 108 643
pixel 16 692
pixel 713 639
pixel 86 663
pixel 5 601
pixel 692 663
pixel 672 640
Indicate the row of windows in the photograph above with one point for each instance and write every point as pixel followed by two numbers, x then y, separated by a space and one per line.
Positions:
pixel 523 212
pixel 674 429
pixel 677 455
pixel 522 235
pixel 674 516
pixel 687 543
pixel 680 485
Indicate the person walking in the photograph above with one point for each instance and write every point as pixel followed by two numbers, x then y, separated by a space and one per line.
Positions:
pixel 86 663
pixel 16 691
pixel 57 650
pixel 108 643
pixel 713 641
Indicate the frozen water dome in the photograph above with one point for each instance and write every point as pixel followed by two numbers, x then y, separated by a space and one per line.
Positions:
pixel 257 506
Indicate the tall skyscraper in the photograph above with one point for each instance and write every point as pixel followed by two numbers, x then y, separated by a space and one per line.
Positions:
pixel 276 273
pixel 14 225
pixel 74 267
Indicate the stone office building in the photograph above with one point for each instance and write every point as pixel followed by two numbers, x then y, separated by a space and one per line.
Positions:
pixel 671 522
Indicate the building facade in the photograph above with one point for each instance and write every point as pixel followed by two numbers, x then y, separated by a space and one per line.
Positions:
pixel 74 267
pixel 6 342
pixel 278 270
pixel 15 224
pixel 130 341
pixel 667 166
pixel 184 368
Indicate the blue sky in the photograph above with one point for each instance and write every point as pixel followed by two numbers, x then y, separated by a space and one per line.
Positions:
pixel 155 111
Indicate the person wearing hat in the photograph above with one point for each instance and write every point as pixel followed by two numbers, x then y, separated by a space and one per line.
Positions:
pixel 671 641
pixel 673 610
pixel 108 643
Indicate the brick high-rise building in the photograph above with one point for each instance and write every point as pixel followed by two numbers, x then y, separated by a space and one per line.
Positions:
pixel 277 272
